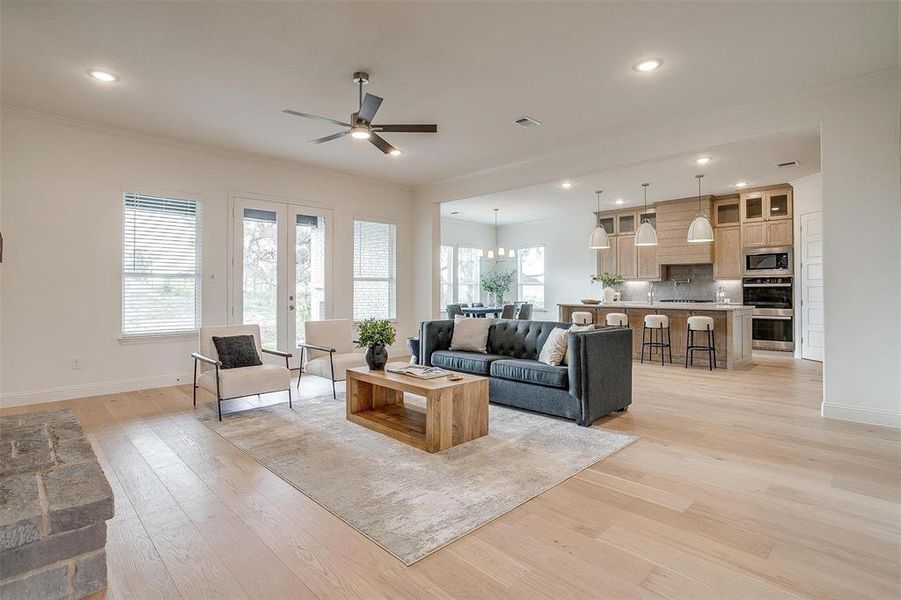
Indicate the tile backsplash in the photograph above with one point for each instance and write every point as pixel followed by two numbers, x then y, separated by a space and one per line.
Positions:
pixel 700 285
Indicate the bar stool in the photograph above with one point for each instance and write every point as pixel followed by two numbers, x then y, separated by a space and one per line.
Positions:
pixel 700 324
pixel 582 318
pixel 660 324
pixel 617 320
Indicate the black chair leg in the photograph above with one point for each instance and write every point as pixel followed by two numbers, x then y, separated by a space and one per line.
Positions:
pixel 643 330
pixel 332 364
pixel 711 352
pixel 195 382
pixel 669 344
pixel 219 407
pixel 687 346
pixel 662 349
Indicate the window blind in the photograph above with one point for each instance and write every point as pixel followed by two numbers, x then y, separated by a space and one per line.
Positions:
pixel 161 265
pixel 375 270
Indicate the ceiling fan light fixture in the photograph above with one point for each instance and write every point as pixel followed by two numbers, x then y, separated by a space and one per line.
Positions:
pixel 360 132
pixel 395 152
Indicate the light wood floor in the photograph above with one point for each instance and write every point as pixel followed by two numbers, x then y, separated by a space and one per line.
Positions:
pixel 736 489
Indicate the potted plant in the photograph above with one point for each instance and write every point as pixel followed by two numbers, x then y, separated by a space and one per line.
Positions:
pixel 608 280
pixel 496 285
pixel 375 335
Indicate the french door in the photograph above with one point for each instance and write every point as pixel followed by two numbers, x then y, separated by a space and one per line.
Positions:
pixel 282 268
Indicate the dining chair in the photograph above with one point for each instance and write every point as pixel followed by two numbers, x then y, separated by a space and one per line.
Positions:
pixel 454 309
pixel 507 313
pixel 478 305
pixel 525 312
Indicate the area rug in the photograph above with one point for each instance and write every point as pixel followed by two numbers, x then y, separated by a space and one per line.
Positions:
pixel 410 502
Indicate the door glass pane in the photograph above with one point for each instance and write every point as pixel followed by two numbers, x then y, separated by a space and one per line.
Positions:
pixel 261 273
pixel 754 208
pixel 779 205
pixel 726 214
pixel 309 256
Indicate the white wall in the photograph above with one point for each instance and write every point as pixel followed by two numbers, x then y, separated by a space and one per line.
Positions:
pixel 61 184
pixel 807 197
pixel 474 235
pixel 568 261
pixel 859 121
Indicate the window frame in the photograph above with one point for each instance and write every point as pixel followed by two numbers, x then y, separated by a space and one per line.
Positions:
pixel 519 283
pixel 170 194
pixel 452 295
pixel 478 282
pixel 392 279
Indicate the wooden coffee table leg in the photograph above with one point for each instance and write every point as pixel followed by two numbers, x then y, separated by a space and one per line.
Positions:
pixel 359 395
pixel 456 415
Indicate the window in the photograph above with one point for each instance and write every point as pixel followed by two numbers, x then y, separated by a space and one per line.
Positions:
pixel 375 283
pixel 447 276
pixel 468 286
pixel 161 260
pixel 530 274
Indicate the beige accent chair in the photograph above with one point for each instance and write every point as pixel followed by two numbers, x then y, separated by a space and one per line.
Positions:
pixel 228 384
pixel 329 349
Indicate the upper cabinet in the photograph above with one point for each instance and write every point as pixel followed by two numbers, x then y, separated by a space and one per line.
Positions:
pixel 766 217
pixel 727 211
pixel 626 223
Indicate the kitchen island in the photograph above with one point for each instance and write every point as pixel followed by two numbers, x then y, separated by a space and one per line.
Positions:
pixel 732 326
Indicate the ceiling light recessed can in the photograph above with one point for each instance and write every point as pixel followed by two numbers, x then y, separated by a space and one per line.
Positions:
pixel 646 65
pixel 103 76
pixel 702 160
pixel 566 185
pixel 620 201
pixel 741 184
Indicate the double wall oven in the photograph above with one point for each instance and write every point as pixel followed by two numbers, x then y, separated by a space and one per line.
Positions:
pixel 768 287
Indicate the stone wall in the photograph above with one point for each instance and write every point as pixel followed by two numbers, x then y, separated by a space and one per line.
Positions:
pixel 54 503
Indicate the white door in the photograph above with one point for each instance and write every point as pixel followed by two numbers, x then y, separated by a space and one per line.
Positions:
pixel 812 308
pixel 281 270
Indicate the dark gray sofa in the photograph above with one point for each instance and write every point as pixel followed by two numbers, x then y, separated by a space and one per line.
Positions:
pixel 597 381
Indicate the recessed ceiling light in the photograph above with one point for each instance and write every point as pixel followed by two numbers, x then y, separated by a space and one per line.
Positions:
pixel 566 185
pixel 395 152
pixel 648 65
pixel 702 160
pixel 741 184
pixel 103 76
pixel 619 200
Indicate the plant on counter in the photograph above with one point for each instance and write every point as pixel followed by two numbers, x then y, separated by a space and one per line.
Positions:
pixel 374 335
pixel 608 279
pixel 497 284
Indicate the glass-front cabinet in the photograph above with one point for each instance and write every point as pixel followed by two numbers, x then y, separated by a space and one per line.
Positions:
pixel 752 207
pixel 650 215
pixel 779 205
pixel 727 211
pixel 625 223
pixel 608 223
pixel 766 205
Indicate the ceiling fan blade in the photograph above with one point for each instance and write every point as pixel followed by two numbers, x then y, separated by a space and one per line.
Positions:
pixel 329 138
pixel 406 128
pixel 370 106
pixel 380 143
pixel 317 117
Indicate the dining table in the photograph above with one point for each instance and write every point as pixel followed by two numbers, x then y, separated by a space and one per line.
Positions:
pixel 482 311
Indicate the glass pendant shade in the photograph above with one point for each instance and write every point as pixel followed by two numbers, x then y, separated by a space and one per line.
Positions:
pixel 491 254
pixel 646 235
pixel 501 251
pixel 700 230
pixel 511 253
pixel 599 239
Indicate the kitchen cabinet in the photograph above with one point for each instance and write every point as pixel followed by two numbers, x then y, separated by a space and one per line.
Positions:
pixel 727 252
pixel 779 233
pixel 607 258
pixel 727 211
pixel 626 223
pixel 626 257
pixel 648 267
pixel 766 217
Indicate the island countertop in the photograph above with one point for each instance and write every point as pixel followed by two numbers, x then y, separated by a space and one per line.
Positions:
pixel 663 305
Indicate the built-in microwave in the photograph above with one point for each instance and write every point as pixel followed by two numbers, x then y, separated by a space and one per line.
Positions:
pixel 768 262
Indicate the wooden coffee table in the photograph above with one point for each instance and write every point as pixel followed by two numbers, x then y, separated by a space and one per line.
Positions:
pixel 456 411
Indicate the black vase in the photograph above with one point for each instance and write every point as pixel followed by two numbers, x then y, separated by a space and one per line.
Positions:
pixel 376 357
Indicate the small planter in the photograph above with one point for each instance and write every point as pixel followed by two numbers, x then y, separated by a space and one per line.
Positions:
pixel 376 357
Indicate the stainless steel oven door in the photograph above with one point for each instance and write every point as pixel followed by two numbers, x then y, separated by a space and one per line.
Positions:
pixel 773 329
pixel 768 262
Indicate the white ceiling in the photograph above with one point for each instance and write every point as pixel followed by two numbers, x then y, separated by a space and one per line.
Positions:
pixel 220 73
pixel 752 161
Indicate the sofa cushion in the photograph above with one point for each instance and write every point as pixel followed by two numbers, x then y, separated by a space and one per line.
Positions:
pixel 531 371
pixel 520 339
pixel 470 335
pixel 467 362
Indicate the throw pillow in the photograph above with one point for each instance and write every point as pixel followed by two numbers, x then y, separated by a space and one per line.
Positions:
pixel 554 349
pixel 470 334
pixel 236 351
pixel 574 329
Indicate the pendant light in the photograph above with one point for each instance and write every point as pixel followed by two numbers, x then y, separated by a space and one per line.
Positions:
pixel 599 239
pixel 501 252
pixel 646 234
pixel 700 229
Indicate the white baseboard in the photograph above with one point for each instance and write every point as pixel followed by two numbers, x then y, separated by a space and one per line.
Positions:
pixel 859 414
pixel 92 389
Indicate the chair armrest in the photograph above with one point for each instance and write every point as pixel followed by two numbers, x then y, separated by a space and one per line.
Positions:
pixel 207 360
pixel 600 371
pixel 278 353
pixel 434 335
pixel 316 347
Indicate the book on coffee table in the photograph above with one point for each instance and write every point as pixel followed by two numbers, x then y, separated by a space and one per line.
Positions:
pixel 417 371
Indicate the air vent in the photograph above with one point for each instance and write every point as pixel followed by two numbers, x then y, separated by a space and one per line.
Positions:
pixel 788 165
pixel 527 122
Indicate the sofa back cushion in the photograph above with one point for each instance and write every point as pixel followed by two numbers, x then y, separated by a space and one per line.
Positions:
pixel 520 339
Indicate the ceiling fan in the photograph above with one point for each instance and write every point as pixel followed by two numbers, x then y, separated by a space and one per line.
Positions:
pixel 361 126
